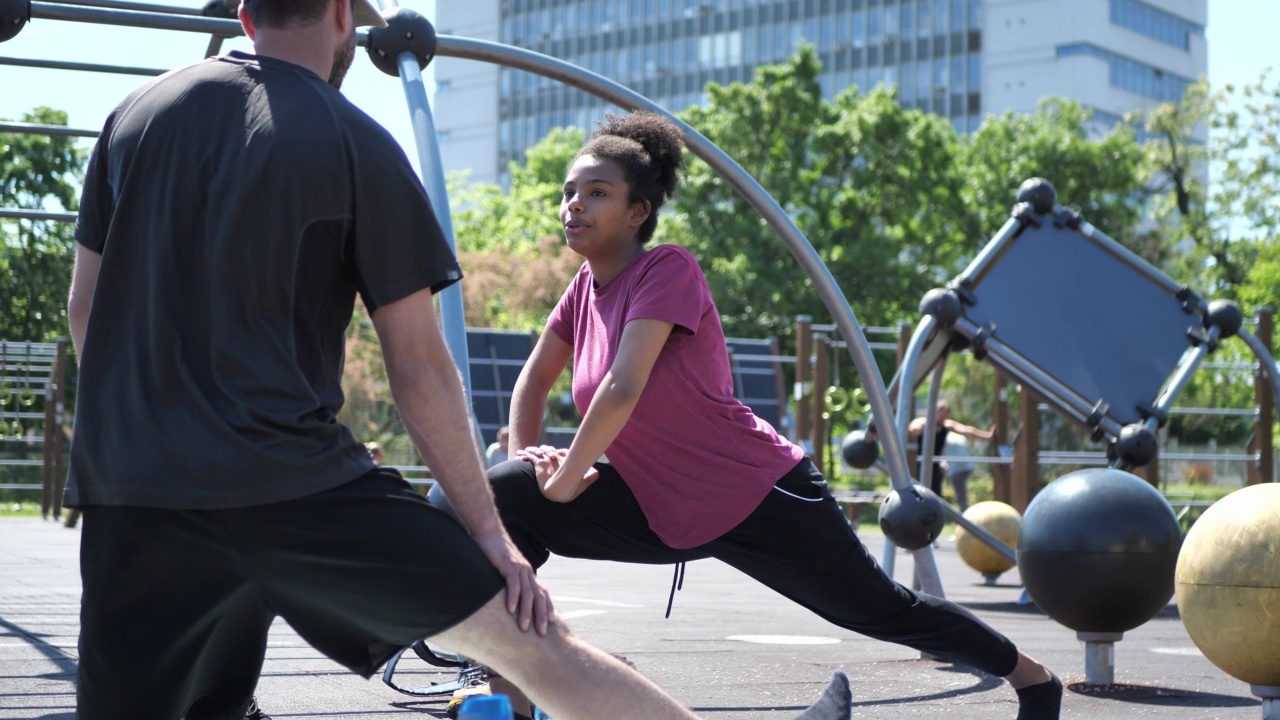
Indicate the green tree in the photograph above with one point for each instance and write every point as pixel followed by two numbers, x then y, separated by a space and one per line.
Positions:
pixel 1228 222
pixel 1102 177
pixel 870 184
pixel 510 243
pixel 37 172
pixel 1217 201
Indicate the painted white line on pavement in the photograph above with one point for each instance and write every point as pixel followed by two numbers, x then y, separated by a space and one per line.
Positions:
pixel 785 639
pixel 590 601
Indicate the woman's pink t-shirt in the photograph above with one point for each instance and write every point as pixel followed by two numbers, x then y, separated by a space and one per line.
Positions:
pixel 697 460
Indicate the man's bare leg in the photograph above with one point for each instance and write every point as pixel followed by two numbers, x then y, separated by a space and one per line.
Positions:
pixel 572 680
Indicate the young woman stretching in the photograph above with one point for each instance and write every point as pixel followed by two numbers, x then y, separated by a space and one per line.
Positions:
pixel 691 473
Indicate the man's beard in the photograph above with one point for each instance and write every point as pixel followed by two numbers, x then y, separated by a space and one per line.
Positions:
pixel 342 58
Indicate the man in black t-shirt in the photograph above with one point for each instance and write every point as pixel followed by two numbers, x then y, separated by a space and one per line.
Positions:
pixel 232 212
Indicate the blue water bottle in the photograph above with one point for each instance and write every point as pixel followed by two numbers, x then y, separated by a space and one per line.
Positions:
pixel 485 707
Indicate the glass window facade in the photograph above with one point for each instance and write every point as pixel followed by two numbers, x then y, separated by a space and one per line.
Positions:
pixel 1129 74
pixel 1154 23
pixel 668 50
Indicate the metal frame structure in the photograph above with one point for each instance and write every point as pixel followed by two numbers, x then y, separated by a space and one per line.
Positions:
pixel 947 328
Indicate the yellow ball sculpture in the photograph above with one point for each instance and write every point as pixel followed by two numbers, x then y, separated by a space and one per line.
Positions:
pixel 998 519
pixel 1228 584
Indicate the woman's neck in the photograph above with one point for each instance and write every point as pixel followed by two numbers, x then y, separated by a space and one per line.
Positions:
pixel 605 269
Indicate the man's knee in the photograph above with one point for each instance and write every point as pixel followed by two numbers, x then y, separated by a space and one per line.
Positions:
pixel 491 636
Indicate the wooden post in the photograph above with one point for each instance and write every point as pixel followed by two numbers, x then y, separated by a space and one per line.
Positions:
pixel 59 415
pixel 821 379
pixel 1000 420
pixel 804 377
pixel 1264 470
pixel 49 432
pixel 1025 480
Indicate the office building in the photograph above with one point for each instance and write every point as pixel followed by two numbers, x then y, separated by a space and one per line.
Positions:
pixel 961 59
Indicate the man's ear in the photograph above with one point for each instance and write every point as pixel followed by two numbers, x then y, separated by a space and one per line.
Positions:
pixel 345 15
pixel 246 22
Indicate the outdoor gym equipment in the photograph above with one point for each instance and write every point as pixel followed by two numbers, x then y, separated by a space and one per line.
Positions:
pixel 1096 551
pixel 1228 587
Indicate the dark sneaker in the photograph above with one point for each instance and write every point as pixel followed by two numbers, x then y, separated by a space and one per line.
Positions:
pixel 254 712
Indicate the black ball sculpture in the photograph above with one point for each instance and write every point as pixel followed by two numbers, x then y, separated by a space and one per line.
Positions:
pixel 912 518
pixel 858 451
pixel 1097 550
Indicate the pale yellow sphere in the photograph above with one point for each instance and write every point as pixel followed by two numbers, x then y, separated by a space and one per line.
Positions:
pixel 998 519
pixel 1228 584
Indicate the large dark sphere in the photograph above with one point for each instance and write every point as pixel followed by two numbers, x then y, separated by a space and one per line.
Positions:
pixel 858 451
pixel 1097 550
pixel 912 518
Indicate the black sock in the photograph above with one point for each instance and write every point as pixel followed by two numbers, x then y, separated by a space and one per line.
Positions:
pixel 1042 701
pixel 836 702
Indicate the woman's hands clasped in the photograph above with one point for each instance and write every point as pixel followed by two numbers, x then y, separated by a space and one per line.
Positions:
pixel 549 464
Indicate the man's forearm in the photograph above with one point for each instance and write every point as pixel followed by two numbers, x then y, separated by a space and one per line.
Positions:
pixel 432 405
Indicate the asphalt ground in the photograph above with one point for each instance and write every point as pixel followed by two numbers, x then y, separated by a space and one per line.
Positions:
pixel 731 649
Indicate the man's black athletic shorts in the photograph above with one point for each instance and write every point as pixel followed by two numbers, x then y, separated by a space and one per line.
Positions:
pixel 177 603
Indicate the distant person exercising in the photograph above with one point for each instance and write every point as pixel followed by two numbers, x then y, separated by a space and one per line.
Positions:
pixel 943 427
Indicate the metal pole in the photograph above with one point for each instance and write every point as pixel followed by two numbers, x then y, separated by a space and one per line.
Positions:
pixel 926 566
pixel 1130 258
pixel 141 19
pixel 453 320
pixel 1266 363
pixel 51 130
pixel 990 251
pixel 86 67
pixel 1100 656
pixel 137 6
pixel 821 380
pixel 17 214
pixel 1178 382
pixel 803 391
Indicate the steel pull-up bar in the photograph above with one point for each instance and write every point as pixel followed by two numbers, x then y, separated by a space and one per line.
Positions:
pixel 86 67
pixel 51 130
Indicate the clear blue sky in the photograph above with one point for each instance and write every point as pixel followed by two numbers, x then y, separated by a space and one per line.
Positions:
pixel 1239 33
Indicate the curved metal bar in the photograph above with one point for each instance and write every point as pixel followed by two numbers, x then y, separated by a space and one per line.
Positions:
pixel 1266 363
pixel 908 370
pixel 925 466
pixel 22 128
pixel 832 297
pixel 85 67
pixel 20 214
pixel 135 18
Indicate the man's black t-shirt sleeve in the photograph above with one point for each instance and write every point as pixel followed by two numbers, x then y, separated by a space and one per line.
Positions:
pixel 399 247
pixel 96 200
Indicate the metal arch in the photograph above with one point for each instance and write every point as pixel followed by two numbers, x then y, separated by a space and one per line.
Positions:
pixel 834 299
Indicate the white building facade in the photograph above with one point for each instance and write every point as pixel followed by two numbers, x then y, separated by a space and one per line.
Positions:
pixel 961 59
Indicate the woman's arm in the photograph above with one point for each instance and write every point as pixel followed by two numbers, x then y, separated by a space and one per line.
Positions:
pixel 611 407
pixel 529 397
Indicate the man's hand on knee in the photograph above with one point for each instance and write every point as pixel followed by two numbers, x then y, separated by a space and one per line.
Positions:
pixel 526 598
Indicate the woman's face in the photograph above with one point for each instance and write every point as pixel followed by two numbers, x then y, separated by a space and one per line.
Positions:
pixel 597 217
